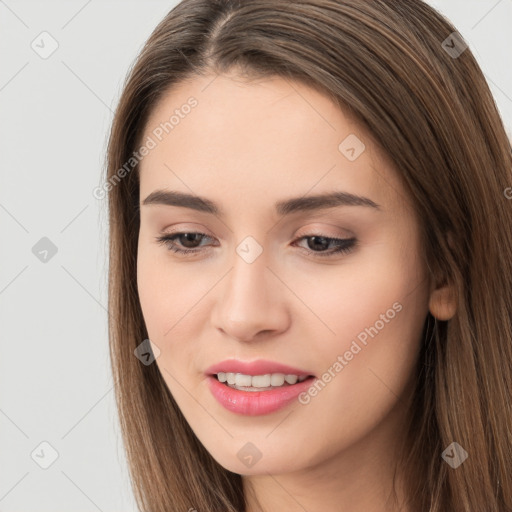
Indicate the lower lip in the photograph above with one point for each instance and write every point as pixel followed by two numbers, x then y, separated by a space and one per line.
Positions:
pixel 254 403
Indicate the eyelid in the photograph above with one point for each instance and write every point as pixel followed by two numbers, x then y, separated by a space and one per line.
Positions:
pixel 180 228
pixel 311 229
pixel 344 245
pixel 318 229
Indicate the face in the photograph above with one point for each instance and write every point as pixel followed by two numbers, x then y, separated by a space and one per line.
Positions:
pixel 336 290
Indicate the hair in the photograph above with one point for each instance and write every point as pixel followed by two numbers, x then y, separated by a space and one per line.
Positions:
pixel 433 115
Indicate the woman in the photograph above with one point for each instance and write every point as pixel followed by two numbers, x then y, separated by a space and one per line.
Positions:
pixel 309 221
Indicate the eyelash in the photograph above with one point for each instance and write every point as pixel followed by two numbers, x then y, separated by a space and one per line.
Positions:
pixel 345 245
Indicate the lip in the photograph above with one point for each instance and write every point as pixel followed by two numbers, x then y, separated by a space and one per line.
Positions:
pixel 258 367
pixel 254 403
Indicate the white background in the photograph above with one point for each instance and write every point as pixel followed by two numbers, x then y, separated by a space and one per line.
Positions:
pixel 55 382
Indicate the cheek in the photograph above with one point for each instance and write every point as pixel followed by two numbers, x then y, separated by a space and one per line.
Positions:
pixel 389 336
pixel 151 288
pixel 171 299
pixel 369 310
pixel 164 292
pixel 351 296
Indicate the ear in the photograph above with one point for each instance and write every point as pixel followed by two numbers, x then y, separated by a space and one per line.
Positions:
pixel 443 301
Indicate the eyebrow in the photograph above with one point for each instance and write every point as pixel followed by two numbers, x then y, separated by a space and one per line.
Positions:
pixel 282 208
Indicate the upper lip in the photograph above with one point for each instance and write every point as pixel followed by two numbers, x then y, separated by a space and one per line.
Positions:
pixel 258 367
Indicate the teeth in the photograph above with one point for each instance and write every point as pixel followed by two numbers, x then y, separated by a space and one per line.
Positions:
pixel 243 380
pixel 258 381
pixel 291 379
pixel 277 379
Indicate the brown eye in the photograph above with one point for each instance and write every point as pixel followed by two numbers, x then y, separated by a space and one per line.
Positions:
pixel 318 245
pixel 187 243
pixel 185 239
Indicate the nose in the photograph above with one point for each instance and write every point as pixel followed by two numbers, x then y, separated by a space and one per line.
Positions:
pixel 252 302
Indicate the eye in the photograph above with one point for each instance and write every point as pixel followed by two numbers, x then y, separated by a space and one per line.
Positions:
pixel 341 245
pixel 186 237
pixel 320 242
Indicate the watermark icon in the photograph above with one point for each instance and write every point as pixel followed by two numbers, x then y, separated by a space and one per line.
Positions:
pixel 44 250
pixel 343 360
pixel 147 352
pixel 249 454
pixel 508 192
pixel 454 45
pixel 351 147
pixel 454 455
pixel 44 455
pixel 249 249
pixel 150 143
pixel 44 45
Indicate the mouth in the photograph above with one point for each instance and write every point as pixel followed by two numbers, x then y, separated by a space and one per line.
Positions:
pixel 256 373
pixel 254 395
pixel 254 383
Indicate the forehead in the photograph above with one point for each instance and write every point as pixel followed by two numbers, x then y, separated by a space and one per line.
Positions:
pixel 236 140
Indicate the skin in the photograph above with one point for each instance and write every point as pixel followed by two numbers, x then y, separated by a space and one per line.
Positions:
pixel 246 145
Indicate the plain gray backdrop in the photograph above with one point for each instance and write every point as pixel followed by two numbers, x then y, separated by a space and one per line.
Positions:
pixel 56 403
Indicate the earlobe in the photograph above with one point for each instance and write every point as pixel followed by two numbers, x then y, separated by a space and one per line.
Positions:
pixel 443 303
pixel 443 299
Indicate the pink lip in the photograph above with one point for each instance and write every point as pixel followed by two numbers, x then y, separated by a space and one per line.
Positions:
pixel 253 403
pixel 258 367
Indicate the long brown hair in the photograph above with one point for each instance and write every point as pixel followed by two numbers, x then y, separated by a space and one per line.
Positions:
pixel 406 75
